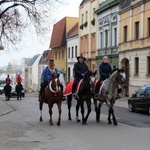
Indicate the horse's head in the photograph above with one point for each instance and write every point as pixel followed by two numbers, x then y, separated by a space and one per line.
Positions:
pixel 119 76
pixel 90 80
pixel 55 83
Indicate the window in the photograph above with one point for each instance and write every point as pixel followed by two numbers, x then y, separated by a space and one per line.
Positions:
pixel 82 18
pixel 68 73
pixel 76 51
pixel 101 40
pixel 136 66
pixel 106 38
pixel 148 27
pixel 125 34
pixel 62 54
pixel 55 55
pixel 86 16
pixel 72 53
pixel 59 55
pixel 69 52
pixel 136 30
pixel 115 36
pixel 148 65
pixel 93 12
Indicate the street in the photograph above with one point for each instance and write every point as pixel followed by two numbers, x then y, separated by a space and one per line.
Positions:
pixel 21 130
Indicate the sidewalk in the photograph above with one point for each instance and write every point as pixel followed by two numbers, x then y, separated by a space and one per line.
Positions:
pixel 5 108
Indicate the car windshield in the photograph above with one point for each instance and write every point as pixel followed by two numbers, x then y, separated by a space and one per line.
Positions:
pixel 141 91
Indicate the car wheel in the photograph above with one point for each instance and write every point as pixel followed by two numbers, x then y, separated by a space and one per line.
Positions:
pixel 130 106
pixel 149 109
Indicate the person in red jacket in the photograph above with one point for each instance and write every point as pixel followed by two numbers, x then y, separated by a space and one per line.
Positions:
pixel 18 79
pixel 8 80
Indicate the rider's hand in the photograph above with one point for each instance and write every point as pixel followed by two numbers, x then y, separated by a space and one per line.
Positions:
pixel 82 74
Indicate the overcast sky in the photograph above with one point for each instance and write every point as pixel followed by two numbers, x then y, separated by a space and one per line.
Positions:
pixel 32 45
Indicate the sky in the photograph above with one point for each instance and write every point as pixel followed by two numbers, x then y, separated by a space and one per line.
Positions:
pixel 31 44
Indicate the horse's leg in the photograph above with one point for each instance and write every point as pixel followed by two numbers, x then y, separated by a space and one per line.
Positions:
pixel 97 110
pixel 109 115
pixel 82 112
pixel 88 102
pixel 40 107
pixel 77 111
pixel 114 118
pixel 50 113
pixel 59 112
pixel 69 102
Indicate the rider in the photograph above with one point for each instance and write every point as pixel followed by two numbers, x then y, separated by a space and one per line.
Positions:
pixel 105 71
pixel 8 80
pixel 18 79
pixel 80 68
pixel 46 77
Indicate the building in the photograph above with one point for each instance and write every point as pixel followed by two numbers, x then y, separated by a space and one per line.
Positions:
pixel 108 29
pixel 58 42
pixel 33 73
pixel 72 51
pixel 134 45
pixel 87 31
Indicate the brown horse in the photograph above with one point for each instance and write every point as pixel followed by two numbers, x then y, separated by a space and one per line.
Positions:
pixel 52 95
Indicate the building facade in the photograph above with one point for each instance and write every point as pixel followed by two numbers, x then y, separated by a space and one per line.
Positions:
pixel 108 29
pixel 87 31
pixel 72 51
pixel 134 46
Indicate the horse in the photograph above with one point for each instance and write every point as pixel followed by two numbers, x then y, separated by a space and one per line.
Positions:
pixel 7 90
pixel 18 89
pixel 85 91
pixel 52 94
pixel 108 93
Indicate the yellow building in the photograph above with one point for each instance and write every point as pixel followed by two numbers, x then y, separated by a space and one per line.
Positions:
pixel 58 41
pixel 87 31
pixel 134 45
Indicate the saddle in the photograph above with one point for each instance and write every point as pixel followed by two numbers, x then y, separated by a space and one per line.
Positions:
pixel 68 89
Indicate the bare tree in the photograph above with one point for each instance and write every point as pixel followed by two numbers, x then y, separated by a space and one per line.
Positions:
pixel 16 15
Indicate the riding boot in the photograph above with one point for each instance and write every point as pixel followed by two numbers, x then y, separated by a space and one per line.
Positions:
pixel 63 98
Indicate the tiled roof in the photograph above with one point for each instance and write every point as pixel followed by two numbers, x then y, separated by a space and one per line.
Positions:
pixel 73 31
pixel 58 37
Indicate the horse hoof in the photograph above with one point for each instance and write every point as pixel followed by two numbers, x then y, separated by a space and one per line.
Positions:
pixel 115 123
pixel 78 120
pixel 41 119
pixel 69 119
pixel 58 123
pixel 51 124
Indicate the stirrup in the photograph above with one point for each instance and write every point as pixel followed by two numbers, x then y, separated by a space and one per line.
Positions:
pixel 63 98
pixel 75 96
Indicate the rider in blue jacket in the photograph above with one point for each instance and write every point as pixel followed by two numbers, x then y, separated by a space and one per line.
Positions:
pixel 46 77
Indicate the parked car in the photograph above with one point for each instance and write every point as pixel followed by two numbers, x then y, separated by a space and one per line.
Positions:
pixel 140 100
pixel 13 92
pixel 2 88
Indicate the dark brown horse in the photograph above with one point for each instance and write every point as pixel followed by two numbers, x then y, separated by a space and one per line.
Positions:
pixel 52 95
pixel 85 93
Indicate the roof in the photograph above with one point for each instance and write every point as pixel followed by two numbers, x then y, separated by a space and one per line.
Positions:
pixel 83 2
pixel 31 62
pixel 73 31
pixel 58 37
pixel 44 56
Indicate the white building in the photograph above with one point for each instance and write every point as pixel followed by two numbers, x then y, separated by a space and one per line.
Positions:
pixel 72 51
